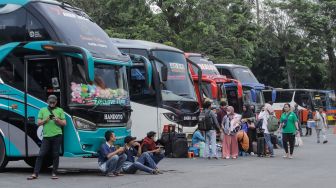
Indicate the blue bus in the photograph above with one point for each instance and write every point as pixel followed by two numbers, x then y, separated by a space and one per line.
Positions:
pixel 252 89
pixel 48 47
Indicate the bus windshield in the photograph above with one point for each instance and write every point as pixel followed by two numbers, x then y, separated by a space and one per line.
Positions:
pixel 109 86
pixel 74 27
pixel 245 75
pixel 179 86
pixel 332 99
pixel 247 97
pixel 208 68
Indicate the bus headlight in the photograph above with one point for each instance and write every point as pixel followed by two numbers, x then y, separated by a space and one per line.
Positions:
pixel 171 117
pixel 84 124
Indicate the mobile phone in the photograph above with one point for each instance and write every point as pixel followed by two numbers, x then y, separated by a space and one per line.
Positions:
pixel 51 116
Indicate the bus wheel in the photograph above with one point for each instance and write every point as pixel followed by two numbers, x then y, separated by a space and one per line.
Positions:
pixel 47 162
pixel 3 157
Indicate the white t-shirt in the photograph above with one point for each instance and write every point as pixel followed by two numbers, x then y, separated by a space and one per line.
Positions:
pixel 264 115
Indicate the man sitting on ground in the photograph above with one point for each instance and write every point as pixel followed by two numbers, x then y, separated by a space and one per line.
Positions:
pixel 144 163
pixel 149 145
pixel 111 159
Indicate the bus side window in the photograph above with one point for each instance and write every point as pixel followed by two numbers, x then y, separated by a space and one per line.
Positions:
pixel 43 78
pixel 11 72
pixel 139 92
pixel 225 72
pixel 12 26
pixel 35 30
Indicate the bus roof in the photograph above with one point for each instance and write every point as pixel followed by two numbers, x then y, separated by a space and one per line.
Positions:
pixel 292 90
pixel 141 44
pixel 23 2
pixel 230 66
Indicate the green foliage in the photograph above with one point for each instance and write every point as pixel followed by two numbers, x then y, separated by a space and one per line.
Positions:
pixel 292 46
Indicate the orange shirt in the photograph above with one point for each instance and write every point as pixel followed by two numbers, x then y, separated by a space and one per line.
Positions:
pixel 243 140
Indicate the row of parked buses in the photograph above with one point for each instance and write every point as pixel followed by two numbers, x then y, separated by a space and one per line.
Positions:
pixel 128 86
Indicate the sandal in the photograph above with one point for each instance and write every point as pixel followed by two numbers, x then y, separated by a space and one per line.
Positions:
pixel 118 174
pixel 110 175
pixel 32 177
pixel 54 177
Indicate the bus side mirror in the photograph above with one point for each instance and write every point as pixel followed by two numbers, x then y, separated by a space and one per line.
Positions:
pixel 85 55
pixel 164 73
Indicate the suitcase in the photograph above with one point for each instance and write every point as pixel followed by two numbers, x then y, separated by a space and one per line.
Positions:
pixel 261 150
pixel 176 145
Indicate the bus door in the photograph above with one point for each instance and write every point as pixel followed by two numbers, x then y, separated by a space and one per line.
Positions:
pixel 12 117
pixel 143 100
pixel 42 78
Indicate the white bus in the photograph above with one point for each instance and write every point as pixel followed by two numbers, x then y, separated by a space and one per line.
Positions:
pixel 171 98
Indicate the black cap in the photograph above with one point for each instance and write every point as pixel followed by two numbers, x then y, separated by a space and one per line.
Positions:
pixel 128 139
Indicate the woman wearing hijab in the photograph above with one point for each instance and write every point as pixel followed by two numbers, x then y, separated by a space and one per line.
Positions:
pixel 248 118
pixel 230 125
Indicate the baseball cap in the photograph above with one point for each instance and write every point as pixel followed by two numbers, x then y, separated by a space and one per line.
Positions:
pixel 128 139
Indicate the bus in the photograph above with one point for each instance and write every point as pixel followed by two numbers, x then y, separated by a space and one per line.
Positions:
pixel 305 98
pixel 213 85
pixel 171 98
pixel 327 99
pixel 48 47
pixel 252 89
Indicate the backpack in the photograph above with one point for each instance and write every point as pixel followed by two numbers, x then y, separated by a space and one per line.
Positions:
pixel 205 121
pixel 272 123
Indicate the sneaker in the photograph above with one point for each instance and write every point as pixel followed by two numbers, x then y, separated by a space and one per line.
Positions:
pixel 326 141
pixel 252 154
pixel 290 157
pixel 209 158
pixel 234 157
pixel 215 157
pixel 227 157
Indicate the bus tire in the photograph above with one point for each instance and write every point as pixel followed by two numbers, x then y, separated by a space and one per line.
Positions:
pixel 3 157
pixel 47 162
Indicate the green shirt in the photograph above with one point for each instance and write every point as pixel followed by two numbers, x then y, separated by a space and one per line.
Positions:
pixel 50 128
pixel 290 128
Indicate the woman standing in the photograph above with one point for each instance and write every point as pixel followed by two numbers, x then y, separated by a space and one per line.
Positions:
pixel 289 125
pixel 248 118
pixel 230 125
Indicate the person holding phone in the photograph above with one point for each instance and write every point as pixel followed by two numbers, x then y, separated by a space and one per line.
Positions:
pixel 111 159
pixel 149 145
pixel 52 118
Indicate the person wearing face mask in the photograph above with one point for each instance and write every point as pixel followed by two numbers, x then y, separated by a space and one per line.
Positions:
pixel 149 145
pixel 52 118
pixel 289 127
pixel 230 126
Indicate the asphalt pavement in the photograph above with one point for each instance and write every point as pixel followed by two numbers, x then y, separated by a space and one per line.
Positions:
pixel 313 166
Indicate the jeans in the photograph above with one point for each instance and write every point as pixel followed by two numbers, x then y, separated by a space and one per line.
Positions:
pixel 269 142
pixel 157 157
pixel 324 135
pixel 210 139
pixel 144 163
pixel 288 137
pixel 47 142
pixel 114 164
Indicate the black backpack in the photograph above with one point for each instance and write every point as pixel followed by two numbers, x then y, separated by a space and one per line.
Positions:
pixel 205 121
